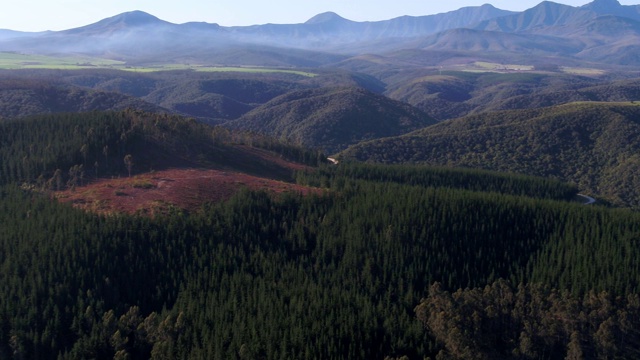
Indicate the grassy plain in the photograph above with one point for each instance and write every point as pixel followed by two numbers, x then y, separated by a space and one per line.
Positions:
pixel 11 61
pixel 582 71
pixel 484 66
pixel 208 68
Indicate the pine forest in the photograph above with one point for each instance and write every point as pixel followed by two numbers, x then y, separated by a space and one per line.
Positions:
pixel 376 262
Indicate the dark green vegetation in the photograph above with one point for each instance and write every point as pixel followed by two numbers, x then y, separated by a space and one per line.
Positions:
pixel 414 260
pixel 594 145
pixel 332 118
pixel 448 95
pixel 212 97
pixel 20 97
pixel 505 323
pixel 464 179
pixel 53 152
pixel 330 276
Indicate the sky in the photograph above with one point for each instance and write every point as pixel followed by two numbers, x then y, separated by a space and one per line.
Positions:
pixel 41 15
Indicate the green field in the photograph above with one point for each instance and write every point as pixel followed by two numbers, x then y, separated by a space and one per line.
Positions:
pixel 208 68
pixel 484 66
pixel 10 61
pixel 28 61
pixel 582 71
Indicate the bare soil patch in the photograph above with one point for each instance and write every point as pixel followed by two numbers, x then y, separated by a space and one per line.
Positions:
pixel 158 192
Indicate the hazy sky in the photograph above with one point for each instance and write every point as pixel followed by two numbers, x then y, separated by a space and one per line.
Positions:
pixel 39 15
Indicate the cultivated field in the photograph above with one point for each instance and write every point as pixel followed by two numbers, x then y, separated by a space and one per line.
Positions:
pixel 484 66
pixel 9 60
pixel 15 61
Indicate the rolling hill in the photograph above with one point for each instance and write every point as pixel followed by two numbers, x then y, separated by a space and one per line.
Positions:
pixel 20 97
pixel 217 100
pixel 138 162
pixel 332 118
pixel 198 216
pixel 155 268
pixel 449 95
pixel 212 97
pixel 594 145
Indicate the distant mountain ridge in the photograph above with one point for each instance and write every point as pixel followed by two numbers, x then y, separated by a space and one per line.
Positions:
pixel 613 7
pixel 330 26
pixel 550 14
pixel 603 31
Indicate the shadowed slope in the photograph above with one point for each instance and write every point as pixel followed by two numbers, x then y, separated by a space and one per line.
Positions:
pixel 332 118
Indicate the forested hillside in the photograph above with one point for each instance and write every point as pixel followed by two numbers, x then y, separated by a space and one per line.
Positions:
pixel 64 150
pixel 331 276
pixel 331 119
pixel 593 145
pixel 452 94
pixel 352 261
pixel 20 97
pixel 165 191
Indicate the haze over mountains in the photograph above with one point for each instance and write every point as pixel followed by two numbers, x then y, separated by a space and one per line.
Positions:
pixel 363 81
pixel 603 31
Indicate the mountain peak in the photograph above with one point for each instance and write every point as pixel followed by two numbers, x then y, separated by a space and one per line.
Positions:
pixel 603 5
pixel 135 18
pixel 120 22
pixel 327 17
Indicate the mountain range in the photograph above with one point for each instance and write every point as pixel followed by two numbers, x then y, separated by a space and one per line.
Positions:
pixel 603 32
pixel 403 90
pixel 332 194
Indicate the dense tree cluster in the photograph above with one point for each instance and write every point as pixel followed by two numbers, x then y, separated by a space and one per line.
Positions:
pixel 332 118
pixel 531 322
pixel 467 179
pixel 59 150
pixel 453 94
pixel 334 275
pixel 593 145
pixel 328 277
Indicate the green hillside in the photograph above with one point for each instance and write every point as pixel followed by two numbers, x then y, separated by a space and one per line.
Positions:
pixel 177 202
pixel 332 118
pixel 593 145
pixel 209 96
pixel 52 151
pixel 450 94
pixel 20 97
pixel 332 276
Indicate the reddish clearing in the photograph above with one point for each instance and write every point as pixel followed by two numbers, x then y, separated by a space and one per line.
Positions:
pixel 154 193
